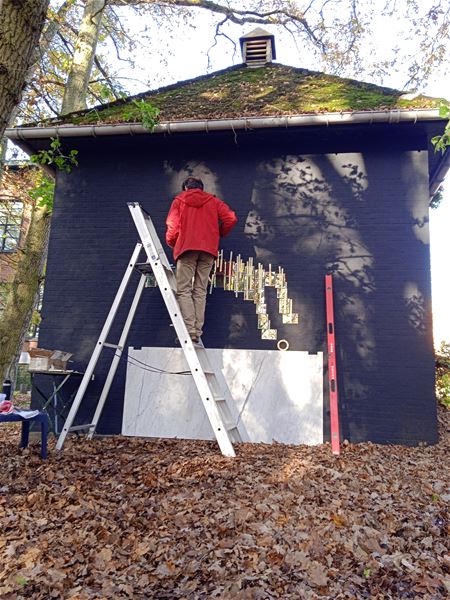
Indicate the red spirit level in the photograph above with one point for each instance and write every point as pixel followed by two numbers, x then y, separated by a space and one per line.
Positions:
pixel 332 372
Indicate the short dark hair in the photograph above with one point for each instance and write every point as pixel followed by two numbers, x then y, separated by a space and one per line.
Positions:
pixel 192 183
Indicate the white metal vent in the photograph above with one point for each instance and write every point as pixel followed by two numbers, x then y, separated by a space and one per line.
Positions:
pixel 258 47
pixel 257 52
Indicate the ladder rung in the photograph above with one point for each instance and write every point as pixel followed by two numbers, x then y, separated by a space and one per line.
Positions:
pixel 230 427
pixel 219 399
pixel 79 427
pixel 144 268
pixel 108 345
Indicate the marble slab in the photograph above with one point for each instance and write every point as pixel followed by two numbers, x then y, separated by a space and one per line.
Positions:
pixel 273 395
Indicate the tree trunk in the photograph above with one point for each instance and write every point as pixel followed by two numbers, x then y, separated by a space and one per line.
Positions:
pixel 29 288
pixel 21 23
pixel 77 83
pixel 48 34
pixel 23 291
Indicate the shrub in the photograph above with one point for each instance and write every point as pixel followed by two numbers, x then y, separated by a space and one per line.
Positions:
pixel 443 374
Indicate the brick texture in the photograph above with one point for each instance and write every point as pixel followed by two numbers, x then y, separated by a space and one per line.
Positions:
pixel 353 202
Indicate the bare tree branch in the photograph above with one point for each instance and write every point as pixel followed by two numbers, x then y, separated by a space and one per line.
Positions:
pixel 106 77
pixel 279 16
pixel 218 33
pixel 45 98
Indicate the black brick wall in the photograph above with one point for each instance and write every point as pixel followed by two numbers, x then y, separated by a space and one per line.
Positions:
pixel 352 202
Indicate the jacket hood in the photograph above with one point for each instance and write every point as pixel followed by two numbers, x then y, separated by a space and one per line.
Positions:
pixel 195 198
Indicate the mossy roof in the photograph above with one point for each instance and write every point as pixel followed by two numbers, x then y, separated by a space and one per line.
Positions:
pixel 240 91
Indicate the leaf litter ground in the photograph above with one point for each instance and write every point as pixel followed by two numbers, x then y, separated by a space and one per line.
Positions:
pixel 171 519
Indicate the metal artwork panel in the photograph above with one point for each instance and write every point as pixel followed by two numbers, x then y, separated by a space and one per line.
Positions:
pixel 242 277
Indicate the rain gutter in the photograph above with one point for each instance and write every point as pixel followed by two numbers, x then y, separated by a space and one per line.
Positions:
pixel 24 136
pixel 250 123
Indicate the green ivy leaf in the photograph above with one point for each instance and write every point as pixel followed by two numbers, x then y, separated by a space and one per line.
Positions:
pixel 149 114
pixel 444 111
pixel 55 157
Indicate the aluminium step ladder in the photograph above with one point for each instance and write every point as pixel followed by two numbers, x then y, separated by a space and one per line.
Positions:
pixel 205 379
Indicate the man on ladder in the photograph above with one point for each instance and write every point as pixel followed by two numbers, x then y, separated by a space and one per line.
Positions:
pixel 195 223
pixel 209 218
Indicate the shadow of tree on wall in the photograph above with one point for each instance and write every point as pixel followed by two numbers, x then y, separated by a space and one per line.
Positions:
pixel 297 219
pixel 317 214
pixel 333 213
pixel 361 216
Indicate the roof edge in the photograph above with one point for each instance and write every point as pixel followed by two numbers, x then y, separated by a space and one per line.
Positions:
pixel 243 123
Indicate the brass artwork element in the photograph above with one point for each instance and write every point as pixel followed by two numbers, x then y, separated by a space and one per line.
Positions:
pixel 235 275
pixel 245 278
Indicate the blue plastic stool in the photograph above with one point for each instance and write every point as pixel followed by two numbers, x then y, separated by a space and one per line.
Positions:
pixel 41 418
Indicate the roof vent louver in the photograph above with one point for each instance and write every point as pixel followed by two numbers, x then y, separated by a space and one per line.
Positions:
pixel 258 48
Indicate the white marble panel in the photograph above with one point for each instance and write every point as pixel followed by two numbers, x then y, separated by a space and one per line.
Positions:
pixel 273 396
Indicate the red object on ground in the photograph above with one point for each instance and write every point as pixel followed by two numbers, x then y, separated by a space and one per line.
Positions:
pixel 332 372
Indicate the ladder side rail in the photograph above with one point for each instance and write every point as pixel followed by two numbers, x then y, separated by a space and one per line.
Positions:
pixel 98 347
pixel 171 303
pixel 332 370
pixel 218 391
pixel 193 361
pixel 147 232
pixel 165 279
pixel 216 419
pixel 157 242
pixel 117 356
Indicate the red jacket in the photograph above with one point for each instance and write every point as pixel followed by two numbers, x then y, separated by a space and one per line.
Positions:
pixel 196 221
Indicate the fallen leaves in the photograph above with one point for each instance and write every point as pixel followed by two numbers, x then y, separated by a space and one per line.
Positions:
pixel 131 518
